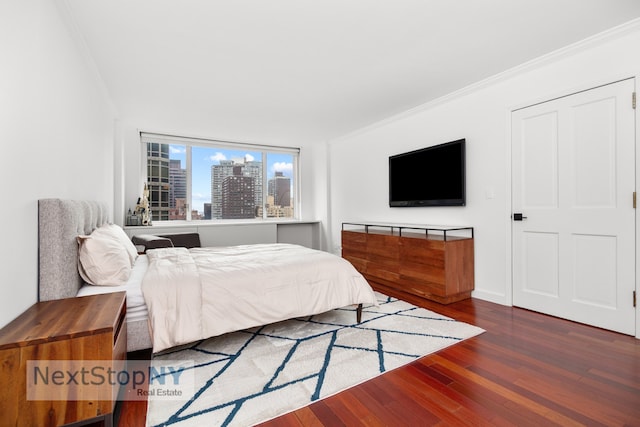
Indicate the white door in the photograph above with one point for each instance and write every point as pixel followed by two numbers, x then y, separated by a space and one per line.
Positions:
pixel 573 184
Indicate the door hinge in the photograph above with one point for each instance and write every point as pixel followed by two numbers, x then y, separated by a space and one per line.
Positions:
pixel 634 298
pixel 634 200
pixel 633 100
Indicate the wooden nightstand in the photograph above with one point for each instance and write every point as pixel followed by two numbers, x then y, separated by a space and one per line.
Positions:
pixel 90 328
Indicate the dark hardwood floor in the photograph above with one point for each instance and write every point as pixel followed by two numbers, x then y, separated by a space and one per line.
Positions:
pixel 527 369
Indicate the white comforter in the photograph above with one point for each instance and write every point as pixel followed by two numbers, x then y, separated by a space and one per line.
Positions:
pixel 192 294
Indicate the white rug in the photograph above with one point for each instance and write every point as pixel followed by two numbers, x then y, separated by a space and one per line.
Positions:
pixel 244 378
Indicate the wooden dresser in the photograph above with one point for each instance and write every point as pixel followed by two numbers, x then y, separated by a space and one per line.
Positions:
pixel 435 263
pixel 90 328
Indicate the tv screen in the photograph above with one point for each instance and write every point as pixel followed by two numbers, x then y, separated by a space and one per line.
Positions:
pixel 432 176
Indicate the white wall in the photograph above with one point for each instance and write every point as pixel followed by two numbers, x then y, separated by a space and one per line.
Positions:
pixel 56 131
pixel 481 114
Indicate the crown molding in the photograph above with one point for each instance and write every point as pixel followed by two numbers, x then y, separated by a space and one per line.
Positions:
pixel 554 56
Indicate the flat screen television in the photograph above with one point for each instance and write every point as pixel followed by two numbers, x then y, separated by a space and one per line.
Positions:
pixel 431 176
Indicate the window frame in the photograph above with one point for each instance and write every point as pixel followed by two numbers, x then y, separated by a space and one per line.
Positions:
pixel 265 150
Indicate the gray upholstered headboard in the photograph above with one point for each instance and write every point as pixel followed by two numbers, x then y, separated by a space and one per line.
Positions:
pixel 59 222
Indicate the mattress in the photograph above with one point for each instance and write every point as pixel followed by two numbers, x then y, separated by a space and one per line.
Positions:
pixel 136 308
pixel 198 293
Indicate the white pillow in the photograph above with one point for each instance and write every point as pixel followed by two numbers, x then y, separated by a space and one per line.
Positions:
pixel 117 233
pixel 102 260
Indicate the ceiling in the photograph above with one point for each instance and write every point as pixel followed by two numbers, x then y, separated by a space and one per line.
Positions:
pixel 304 70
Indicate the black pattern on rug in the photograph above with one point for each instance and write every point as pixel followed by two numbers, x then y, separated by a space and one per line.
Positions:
pixel 251 376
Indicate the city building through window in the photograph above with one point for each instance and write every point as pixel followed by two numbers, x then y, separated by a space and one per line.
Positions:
pixel 199 179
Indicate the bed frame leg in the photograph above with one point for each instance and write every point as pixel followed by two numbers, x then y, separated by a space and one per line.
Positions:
pixel 359 313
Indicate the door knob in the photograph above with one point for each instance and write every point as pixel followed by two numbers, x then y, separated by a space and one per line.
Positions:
pixel 518 217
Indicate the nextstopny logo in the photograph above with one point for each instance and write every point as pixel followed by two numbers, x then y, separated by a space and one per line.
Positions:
pixel 109 380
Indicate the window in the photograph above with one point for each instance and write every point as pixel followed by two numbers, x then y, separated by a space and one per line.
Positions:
pixel 198 179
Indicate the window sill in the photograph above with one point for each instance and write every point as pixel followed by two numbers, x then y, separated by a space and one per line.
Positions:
pixel 159 225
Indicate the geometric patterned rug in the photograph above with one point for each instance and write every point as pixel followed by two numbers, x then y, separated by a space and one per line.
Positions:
pixel 247 377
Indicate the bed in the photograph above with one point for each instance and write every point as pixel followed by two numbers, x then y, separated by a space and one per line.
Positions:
pixel 180 295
